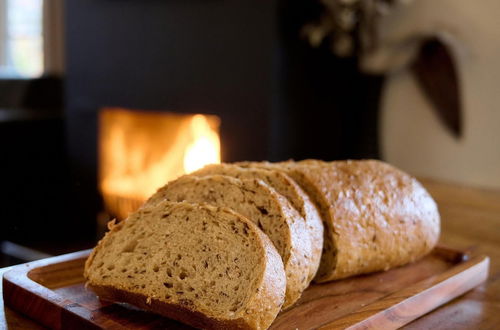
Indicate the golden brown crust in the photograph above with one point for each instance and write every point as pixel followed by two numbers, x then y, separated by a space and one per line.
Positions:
pixel 380 217
pixel 297 266
pixel 376 216
pixel 316 229
pixel 270 298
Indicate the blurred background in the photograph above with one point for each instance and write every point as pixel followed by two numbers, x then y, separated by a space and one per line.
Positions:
pixel 103 101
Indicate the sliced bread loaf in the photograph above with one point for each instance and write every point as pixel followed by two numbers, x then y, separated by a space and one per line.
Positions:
pixel 285 186
pixel 377 217
pixel 173 259
pixel 266 208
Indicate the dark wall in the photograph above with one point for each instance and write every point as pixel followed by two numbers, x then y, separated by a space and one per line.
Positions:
pixel 208 56
pixel 327 107
pixel 187 56
pixel 33 165
pixel 33 176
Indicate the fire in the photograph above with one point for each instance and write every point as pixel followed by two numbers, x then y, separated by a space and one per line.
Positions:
pixel 141 151
pixel 206 146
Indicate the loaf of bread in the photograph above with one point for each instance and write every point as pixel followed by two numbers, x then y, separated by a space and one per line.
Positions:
pixel 232 244
pixel 285 186
pixel 258 202
pixel 173 259
pixel 376 216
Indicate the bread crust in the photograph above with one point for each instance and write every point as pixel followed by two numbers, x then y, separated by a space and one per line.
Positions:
pixel 376 216
pixel 259 312
pixel 316 228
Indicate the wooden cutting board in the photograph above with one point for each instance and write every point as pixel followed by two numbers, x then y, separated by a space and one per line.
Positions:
pixel 52 292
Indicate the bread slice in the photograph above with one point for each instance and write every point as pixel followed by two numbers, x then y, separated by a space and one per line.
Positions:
pixel 259 203
pixel 285 186
pixel 377 217
pixel 173 259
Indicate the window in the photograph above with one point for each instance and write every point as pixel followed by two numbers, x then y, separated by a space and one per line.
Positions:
pixel 21 38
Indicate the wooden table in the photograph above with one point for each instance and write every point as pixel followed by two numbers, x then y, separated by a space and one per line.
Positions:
pixel 470 221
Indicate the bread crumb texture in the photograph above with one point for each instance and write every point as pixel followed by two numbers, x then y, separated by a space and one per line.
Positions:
pixel 255 200
pixel 284 185
pixel 204 259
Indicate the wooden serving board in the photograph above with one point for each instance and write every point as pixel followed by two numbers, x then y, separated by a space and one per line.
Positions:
pixel 52 292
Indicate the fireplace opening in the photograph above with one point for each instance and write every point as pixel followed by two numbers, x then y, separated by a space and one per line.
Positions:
pixel 139 151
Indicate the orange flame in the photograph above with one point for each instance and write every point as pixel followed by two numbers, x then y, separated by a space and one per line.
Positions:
pixel 141 151
pixel 205 148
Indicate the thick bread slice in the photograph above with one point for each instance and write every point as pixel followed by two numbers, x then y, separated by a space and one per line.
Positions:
pixel 173 259
pixel 377 217
pixel 266 208
pixel 285 186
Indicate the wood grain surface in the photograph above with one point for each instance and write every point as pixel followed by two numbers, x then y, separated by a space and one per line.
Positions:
pixel 52 292
pixel 470 221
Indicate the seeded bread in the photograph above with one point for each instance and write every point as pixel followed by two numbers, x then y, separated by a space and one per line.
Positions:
pixel 285 186
pixel 266 208
pixel 172 258
pixel 376 216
